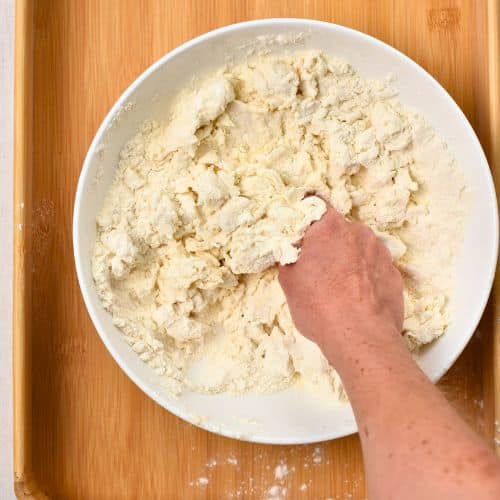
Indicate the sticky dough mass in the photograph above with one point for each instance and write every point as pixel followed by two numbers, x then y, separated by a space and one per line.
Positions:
pixel 205 204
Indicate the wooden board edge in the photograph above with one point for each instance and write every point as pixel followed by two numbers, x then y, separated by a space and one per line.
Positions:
pixel 494 158
pixel 27 490
pixel 24 485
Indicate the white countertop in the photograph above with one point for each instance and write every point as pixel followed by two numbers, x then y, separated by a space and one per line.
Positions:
pixel 6 156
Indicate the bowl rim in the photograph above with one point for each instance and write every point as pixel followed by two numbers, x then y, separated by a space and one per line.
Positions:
pixel 292 23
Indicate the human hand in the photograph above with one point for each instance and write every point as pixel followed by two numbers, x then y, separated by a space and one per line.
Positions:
pixel 344 292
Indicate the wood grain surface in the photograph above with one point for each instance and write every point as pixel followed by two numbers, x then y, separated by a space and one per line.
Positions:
pixel 83 429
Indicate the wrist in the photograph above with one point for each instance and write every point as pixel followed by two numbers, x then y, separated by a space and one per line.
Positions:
pixel 354 350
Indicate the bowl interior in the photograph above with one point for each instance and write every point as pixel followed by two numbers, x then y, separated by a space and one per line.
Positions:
pixel 291 416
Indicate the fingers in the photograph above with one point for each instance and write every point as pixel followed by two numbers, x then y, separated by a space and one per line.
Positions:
pixel 332 220
pixel 286 275
pixel 333 216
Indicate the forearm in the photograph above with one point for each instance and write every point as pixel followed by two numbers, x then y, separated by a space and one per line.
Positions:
pixel 414 443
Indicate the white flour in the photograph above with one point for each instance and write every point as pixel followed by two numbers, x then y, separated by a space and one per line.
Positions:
pixel 205 204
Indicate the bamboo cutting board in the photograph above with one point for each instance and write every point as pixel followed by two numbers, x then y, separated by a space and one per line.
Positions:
pixel 82 429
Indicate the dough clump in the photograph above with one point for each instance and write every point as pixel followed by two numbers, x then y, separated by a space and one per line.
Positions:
pixel 206 204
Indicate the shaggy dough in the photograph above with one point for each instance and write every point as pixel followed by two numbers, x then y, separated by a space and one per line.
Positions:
pixel 204 206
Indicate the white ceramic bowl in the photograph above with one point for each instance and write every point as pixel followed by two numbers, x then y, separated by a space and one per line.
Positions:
pixel 289 416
